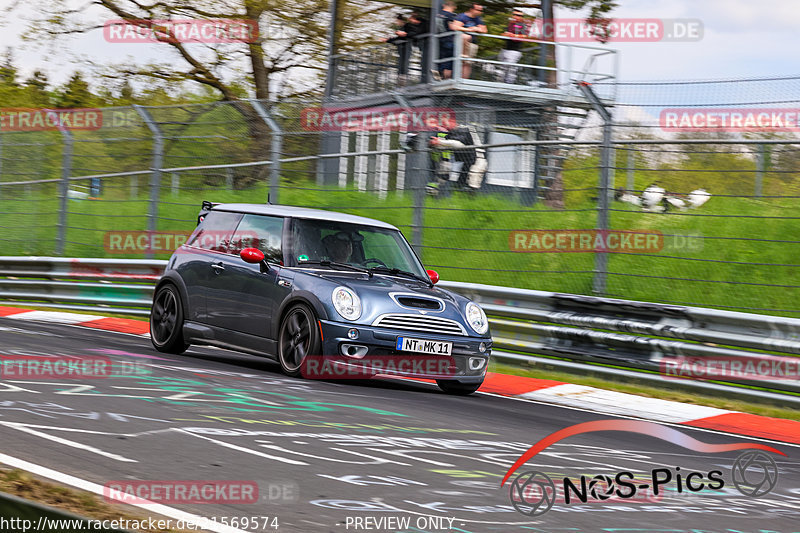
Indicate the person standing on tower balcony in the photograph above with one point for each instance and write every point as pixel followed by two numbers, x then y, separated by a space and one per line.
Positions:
pixel 403 43
pixel 517 30
pixel 444 24
pixel 470 21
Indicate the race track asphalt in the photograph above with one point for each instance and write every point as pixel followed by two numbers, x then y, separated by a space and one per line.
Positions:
pixel 326 456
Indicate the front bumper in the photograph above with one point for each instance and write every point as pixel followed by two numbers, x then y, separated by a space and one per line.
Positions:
pixel 466 364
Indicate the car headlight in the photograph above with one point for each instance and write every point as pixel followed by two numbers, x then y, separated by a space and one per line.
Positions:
pixel 476 318
pixel 347 303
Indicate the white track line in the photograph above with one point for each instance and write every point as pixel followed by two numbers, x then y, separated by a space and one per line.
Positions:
pixel 82 484
pixel 55 317
pixel 79 445
pixel 243 449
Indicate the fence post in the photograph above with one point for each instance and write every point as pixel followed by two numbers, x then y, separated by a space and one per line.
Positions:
pixel 629 186
pixel 537 168
pixel 601 258
pixel 372 163
pixel 155 176
pixel 344 162
pixel 383 163
pixel 276 147
pixel 761 163
pixel 416 169
pixel 63 189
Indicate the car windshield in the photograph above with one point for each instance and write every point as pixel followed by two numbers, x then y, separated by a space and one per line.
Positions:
pixel 352 244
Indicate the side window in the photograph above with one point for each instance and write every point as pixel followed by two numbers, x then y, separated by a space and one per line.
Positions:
pixel 214 232
pixel 262 232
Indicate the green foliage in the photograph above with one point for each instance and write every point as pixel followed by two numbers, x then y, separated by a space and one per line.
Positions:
pixel 8 71
pixel 466 238
pixel 75 94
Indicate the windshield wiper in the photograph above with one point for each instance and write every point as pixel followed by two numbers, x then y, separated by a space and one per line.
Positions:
pixel 329 264
pixel 398 272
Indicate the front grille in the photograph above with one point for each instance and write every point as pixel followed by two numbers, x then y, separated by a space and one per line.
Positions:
pixel 427 324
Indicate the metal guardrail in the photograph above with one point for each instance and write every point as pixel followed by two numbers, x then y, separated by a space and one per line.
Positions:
pixel 566 331
pixel 114 285
pixel 656 340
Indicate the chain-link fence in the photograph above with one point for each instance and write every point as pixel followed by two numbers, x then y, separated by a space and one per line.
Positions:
pixel 686 217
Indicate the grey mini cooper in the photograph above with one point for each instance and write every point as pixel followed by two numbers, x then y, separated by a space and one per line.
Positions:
pixel 298 285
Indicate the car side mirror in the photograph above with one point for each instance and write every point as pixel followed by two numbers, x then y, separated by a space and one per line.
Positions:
pixel 433 275
pixel 252 255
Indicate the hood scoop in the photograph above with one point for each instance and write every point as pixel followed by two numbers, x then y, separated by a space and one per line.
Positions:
pixel 418 302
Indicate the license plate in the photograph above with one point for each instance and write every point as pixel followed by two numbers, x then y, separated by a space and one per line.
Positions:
pixel 408 344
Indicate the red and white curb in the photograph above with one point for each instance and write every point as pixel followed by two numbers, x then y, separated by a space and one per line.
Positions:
pixel 618 403
pixel 542 390
pixel 119 325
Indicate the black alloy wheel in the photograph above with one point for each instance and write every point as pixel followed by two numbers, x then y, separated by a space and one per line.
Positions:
pixel 166 321
pixel 299 337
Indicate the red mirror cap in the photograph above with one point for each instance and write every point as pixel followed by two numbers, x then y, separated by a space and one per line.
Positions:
pixel 251 255
pixel 433 275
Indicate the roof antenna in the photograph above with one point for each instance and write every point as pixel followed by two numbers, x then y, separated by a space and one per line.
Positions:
pixel 268 202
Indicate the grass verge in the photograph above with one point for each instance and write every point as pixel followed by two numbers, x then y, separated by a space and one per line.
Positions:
pixel 85 504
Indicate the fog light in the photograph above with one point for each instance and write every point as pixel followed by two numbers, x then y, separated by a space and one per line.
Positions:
pixel 355 351
pixel 352 334
pixel 482 347
pixel 476 363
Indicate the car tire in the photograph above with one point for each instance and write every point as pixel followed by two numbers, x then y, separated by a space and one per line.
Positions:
pixel 166 321
pixel 458 388
pixel 298 338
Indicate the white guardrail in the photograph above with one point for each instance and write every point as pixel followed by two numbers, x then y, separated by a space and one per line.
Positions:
pixel 723 352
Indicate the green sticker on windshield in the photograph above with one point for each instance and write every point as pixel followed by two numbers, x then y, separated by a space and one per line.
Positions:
pixel 302 257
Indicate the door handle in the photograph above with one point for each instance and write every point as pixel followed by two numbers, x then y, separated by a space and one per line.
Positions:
pixel 218 267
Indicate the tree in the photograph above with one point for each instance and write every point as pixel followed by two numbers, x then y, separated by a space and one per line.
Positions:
pixel 36 87
pixel 126 92
pixel 75 93
pixel 285 58
pixel 290 44
pixel 8 71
